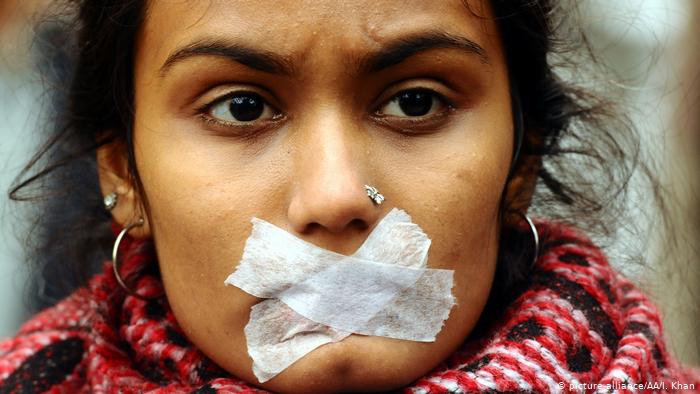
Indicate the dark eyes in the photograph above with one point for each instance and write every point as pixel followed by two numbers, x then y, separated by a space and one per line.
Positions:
pixel 413 103
pixel 241 108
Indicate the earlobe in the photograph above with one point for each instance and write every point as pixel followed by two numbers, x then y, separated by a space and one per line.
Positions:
pixel 114 177
pixel 521 187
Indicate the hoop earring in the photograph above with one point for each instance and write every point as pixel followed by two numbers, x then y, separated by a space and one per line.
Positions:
pixel 115 260
pixel 535 238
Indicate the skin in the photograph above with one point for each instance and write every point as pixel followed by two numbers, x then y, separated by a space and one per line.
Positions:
pixel 334 128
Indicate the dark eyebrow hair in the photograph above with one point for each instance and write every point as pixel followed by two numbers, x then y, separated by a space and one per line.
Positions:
pixel 403 48
pixel 254 58
pixel 393 53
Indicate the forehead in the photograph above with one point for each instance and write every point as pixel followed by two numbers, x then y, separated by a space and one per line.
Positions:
pixel 298 27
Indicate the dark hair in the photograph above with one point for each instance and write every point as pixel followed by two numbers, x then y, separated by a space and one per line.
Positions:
pixel 583 152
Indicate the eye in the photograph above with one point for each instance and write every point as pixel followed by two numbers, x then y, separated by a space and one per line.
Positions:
pixel 241 107
pixel 414 103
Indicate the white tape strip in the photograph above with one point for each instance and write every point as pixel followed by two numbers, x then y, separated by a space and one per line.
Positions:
pixel 318 296
pixel 277 337
pixel 349 293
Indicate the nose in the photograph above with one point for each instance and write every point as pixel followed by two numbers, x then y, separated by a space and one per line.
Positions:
pixel 331 170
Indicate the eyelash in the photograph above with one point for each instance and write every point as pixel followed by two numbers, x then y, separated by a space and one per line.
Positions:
pixel 403 124
pixel 410 124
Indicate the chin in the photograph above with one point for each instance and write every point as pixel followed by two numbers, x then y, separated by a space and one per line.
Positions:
pixel 356 364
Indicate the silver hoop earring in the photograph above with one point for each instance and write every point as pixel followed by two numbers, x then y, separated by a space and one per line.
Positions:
pixel 535 239
pixel 374 195
pixel 115 260
pixel 110 201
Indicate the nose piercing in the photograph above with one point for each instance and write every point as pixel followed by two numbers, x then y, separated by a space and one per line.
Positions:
pixel 374 194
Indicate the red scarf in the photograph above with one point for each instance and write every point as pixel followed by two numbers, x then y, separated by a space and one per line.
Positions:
pixel 577 326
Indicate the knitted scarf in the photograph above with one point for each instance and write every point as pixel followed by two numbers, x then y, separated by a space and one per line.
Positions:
pixel 576 326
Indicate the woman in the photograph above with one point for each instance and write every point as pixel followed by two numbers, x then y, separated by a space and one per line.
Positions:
pixel 319 118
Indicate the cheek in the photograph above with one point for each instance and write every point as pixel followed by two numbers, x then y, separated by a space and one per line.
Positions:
pixel 201 199
pixel 191 213
pixel 201 194
pixel 453 186
pixel 454 192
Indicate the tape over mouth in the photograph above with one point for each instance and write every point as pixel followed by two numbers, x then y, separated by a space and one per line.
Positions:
pixel 313 296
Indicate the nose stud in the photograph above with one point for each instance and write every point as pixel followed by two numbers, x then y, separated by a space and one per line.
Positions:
pixel 374 195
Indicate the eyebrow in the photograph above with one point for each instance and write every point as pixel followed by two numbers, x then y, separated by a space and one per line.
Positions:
pixel 257 59
pixel 403 48
pixel 391 54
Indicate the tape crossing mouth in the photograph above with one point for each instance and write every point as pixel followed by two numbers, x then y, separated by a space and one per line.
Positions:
pixel 313 296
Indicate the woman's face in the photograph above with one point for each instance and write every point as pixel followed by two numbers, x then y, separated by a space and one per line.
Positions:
pixel 284 110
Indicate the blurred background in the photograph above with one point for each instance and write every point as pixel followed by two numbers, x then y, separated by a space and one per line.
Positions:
pixel 651 46
pixel 21 102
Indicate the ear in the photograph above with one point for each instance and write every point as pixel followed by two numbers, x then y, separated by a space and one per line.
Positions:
pixel 520 188
pixel 113 172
